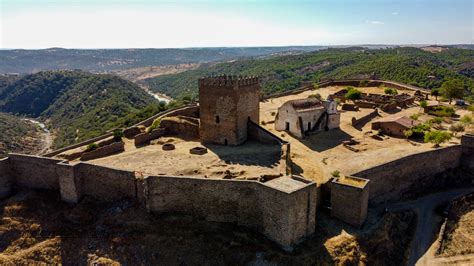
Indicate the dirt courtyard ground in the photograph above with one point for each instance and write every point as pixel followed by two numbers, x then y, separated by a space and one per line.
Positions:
pixel 316 156
pixel 247 161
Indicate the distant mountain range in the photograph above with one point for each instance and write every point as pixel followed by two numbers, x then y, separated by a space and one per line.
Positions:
pixel 107 60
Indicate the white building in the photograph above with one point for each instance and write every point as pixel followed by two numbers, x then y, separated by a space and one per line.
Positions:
pixel 303 116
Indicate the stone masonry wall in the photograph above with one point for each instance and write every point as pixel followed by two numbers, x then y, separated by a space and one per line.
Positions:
pixel 283 217
pixel 349 202
pixel 390 180
pixel 467 142
pixel 105 184
pixel 5 177
pixel 34 171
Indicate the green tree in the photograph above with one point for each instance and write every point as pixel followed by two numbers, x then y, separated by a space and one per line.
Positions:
pixel 316 95
pixel 435 93
pixel 437 137
pixel 453 88
pixel 423 104
pixel 390 91
pixel 353 94
pixel 456 127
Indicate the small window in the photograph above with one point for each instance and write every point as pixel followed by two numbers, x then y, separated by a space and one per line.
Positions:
pixel 217 119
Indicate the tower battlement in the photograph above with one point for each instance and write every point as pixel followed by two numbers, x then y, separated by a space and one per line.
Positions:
pixel 228 81
pixel 226 104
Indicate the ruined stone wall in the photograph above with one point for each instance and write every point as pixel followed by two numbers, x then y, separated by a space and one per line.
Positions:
pixel 285 217
pixel 348 201
pixel 145 138
pixel 34 172
pixel 390 180
pixel 363 120
pixel 5 177
pixel 115 147
pixel 105 184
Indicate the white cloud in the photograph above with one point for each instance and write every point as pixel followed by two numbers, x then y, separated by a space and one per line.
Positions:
pixel 395 13
pixel 375 22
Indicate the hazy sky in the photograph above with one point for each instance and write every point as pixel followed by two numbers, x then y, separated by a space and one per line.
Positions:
pixel 157 24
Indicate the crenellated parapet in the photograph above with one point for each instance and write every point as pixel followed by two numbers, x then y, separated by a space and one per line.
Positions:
pixel 228 81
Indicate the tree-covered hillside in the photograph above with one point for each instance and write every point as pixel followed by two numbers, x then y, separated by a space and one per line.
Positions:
pixel 408 65
pixel 16 134
pixel 76 105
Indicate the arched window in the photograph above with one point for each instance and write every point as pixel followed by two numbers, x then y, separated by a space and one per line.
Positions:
pixel 217 119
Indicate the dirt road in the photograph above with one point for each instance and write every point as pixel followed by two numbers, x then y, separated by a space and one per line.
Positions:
pixel 47 138
pixel 428 222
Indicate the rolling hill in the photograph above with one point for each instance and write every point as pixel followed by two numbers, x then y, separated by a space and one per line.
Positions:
pixel 75 105
pixel 105 60
pixel 408 65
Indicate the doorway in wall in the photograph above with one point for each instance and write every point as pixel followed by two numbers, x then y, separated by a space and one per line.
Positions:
pixel 309 126
pixel 287 125
pixel 226 142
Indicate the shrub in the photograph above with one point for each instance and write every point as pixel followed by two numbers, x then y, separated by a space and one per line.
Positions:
pixel 353 94
pixel 471 108
pixel 335 173
pixel 443 111
pixel 390 91
pixel 415 116
pixel 118 135
pixel 363 83
pixel 457 127
pixel 92 146
pixel 423 104
pixel 436 120
pixel 437 137
pixel 316 95
pixel 408 133
pixel 420 130
pixel 466 120
pixel 153 126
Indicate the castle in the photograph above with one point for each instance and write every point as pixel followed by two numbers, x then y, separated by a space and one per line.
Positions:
pixel 226 104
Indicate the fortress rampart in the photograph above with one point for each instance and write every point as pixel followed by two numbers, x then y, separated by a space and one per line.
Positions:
pixel 284 213
pixel 390 180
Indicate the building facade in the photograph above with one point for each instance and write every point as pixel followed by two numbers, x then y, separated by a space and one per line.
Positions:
pixel 303 116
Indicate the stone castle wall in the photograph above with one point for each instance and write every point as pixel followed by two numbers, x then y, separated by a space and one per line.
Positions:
pixel 5 177
pixel 467 142
pixel 348 201
pixel 389 180
pixel 284 216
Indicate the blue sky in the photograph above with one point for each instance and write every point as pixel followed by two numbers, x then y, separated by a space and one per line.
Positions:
pixel 158 24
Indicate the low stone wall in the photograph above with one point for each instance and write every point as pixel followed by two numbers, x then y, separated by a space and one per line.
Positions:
pixel 191 110
pixel 349 200
pixel 110 149
pixel 390 180
pixel 5 177
pixel 34 171
pixel 258 133
pixel 145 138
pixel 285 217
pixel 105 184
pixel 365 119
pixel 183 126
pixel 77 145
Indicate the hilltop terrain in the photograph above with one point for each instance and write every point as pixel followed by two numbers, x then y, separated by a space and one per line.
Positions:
pixel 277 74
pixel 76 105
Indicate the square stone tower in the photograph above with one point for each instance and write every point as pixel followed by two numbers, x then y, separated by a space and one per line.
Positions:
pixel 226 104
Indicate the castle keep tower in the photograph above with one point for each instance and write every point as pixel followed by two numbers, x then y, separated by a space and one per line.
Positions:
pixel 226 104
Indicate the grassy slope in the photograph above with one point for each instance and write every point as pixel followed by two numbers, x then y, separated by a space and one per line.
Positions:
pixel 77 105
pixel 408 65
